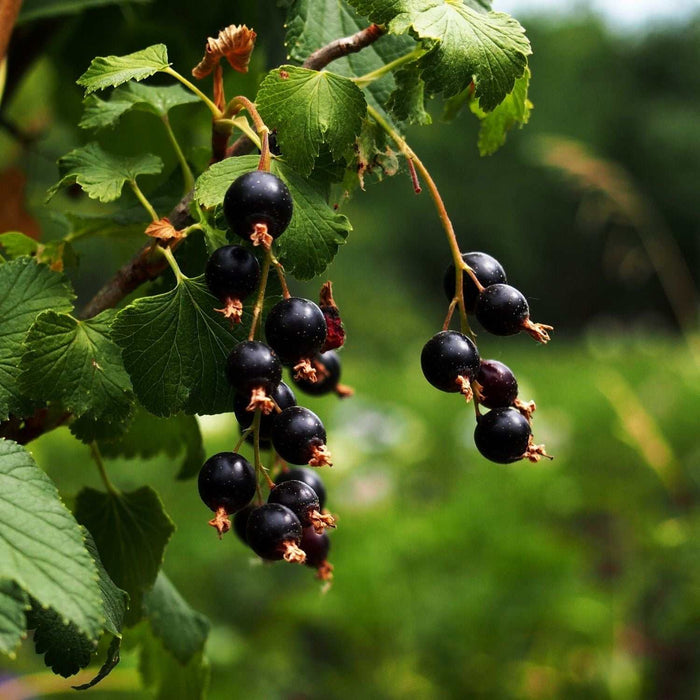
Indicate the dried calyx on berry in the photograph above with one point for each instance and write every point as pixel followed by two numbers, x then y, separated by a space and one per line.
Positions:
pixel 328 370
pixel 282 396
pixel 273 532
pixel 450 362
pixel 258 207
pixel 302 500
pixel 226 485
pixel 503 310
pixel 299 437
pixel 504 435
pixel 253 369
pixel 296 330
pixel 232 274
pixel 316 547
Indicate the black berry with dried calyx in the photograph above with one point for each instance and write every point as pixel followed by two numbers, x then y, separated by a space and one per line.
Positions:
pixel 450 362
pixel 253 369
pixel 226 484
pixel 498 388
pixel 258 207
pixel 503 310
pixel 316 547
pixel 309 477
pixel 296 330
pixel 328 369
pixel 282 396
pixel 299 437
pixel 232 274
pixel 487 270
pixel 273 532
pixel 504 435
pixel 303 501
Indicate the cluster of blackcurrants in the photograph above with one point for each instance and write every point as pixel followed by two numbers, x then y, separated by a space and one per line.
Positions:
pixel 451 362
pixel 300 335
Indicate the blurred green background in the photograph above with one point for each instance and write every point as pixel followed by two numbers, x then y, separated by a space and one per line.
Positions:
pixel 455 577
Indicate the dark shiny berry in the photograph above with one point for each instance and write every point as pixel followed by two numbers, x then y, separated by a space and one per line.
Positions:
pixel 499 386
pixel 502 310
pixel 447 358
pixel 295 328
pixel 270 528
pixel 327 366
pixel 227 480
pixel 503 435
pixel 258 198
pixel 232 272
pixel 240 522
pixel 309 477
pixel 282 395
pixel 299 497
pixel 315 546
pixel 253 365
pixel 488 271
pixel 297 434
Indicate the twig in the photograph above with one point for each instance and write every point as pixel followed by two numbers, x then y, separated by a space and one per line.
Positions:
pixel 342 47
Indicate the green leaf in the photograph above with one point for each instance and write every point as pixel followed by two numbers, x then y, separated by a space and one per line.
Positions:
pixel 41 545
pixel 175 346
pixel 214 238
pixel 513 111
pixel 407 102
pixel 26 289
pixel 149 435
pixel 155 99
pixel 312 24
pixel 166 677
pixel 489 47
pixel 108 666
pixel 182 630
pixel 371 157
pixel 309 108
pixel 90 427
pixel 110 71
pixel 16 244
pixel 102 175
pixel 13 625
pixel 130 531
pixel 43 9
pixel 65 648
pixel 316 231
pixel 77 364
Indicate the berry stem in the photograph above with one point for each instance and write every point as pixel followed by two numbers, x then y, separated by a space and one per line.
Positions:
pixel 184 166
pixel 257 309
pixel 460 265
pixel 244 435
pixel 256 451
pixel 170 257
pixel 363 81
pixel 97 456
pixel 242 124
pixel 216 112
pixel 283 280
pixel 144 201
pixel 240 102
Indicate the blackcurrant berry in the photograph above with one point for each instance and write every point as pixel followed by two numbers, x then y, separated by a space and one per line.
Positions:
pixel 327 366
pixel 282 395
pixel 499 387
pixel 503 310
pixel 504 435
pixel 302 500
pixel 296 330
pixel 488 271
pixel 308 476
pixel 232 272
pixel 300 438
pixel 316 547
pixel 254 370
pixel 258 207
pixel 240 522
pixel 450 362
pixel 274 532
pixel 226 484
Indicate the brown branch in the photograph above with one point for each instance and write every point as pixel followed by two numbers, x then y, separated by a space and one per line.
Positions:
pixel 9 9
pixel 147 264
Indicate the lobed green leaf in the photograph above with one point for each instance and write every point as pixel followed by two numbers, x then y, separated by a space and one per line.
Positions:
pixel 13 604
pixel 110 71
pixel 407 102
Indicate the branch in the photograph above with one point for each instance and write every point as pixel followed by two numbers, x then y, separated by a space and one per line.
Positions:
pixel 342 47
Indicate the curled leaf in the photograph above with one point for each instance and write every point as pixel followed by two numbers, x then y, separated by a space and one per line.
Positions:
pixel 235 43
